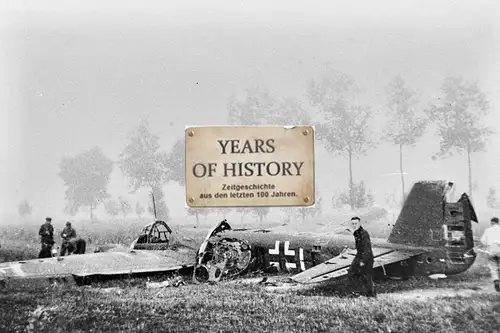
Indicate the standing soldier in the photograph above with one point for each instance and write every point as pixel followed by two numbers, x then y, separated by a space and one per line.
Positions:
pixel 68 235
pixel 491 238
pixel 362 266
pixel 46 233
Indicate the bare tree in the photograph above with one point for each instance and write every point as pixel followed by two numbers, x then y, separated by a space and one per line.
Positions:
pixel 344 125
pixel 405 126
pixel 458 114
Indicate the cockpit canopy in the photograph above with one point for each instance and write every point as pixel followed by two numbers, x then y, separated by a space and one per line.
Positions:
pixel 154 236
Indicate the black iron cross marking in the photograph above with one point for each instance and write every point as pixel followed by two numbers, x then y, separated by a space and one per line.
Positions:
pixel 288 256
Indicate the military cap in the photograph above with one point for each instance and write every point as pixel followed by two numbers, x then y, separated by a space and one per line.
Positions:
pixel 48 219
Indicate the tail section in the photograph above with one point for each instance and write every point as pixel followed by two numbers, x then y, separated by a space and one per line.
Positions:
pixel 428 220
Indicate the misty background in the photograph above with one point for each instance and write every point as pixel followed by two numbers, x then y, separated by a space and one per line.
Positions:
pixel 76 75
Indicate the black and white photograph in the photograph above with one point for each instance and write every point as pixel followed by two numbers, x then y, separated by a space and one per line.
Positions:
pixel 249 166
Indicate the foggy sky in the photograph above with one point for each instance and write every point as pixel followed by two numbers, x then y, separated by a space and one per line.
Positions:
pixel 80 74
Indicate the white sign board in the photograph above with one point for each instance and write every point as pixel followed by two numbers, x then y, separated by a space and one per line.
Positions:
pixel 248 166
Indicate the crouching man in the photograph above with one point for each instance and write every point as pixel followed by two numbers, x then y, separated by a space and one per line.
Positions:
pixel 80 246
pixel 69 237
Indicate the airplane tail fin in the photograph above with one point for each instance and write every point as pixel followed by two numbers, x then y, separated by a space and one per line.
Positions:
pixel 428 220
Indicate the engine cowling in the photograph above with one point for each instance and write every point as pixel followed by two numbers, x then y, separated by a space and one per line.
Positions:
pixel 225 257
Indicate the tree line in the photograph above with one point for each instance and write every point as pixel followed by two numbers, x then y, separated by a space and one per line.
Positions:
pixel 343 125
pixel 343 122
pixel 142 161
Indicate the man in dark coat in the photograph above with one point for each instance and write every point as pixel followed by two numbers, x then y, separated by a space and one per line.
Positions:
pixel 46 233
pixel 80 246
pixel 68 236
pixel 362 266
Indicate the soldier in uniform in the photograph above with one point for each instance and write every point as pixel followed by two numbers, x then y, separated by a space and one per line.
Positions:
pixel 69 237
pixel 46 233
pixel 362 266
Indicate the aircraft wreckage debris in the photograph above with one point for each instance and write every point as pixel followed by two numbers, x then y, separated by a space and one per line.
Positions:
pixel 416 246
pixel 176 282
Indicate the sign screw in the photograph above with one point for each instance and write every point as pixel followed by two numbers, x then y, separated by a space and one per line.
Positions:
pixel 191 199
pixel 306 199
pixel 190 133
pixel 305 132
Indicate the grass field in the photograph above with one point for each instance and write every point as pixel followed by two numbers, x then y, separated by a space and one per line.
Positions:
pixel 128 306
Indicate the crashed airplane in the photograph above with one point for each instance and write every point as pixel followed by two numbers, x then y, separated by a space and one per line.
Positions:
pixel 431 236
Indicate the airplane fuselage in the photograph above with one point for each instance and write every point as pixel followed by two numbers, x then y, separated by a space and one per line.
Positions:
pixel 236 252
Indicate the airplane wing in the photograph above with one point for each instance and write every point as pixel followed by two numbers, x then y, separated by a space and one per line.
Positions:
pixel 108 263
pixel 338 266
